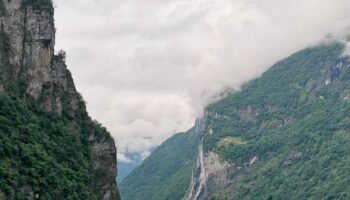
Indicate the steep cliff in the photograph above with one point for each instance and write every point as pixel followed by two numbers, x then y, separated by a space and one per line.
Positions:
pixel 37 87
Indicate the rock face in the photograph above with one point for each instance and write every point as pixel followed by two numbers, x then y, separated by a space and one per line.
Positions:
pixel 31 70
pixel 210 171
pixel 210 175
pixel 31 34
pixel 103 154
pixel 28 55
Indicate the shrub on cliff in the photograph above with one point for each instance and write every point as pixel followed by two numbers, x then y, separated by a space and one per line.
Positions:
pixel 37 3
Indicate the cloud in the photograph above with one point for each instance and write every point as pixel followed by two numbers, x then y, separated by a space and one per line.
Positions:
pixel 147 67
pixel 123 158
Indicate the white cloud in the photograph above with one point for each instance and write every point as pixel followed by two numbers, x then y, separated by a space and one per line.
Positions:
pixel 146 68
pixel 123 158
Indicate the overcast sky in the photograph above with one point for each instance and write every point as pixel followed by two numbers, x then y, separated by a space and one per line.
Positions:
pixel 147 67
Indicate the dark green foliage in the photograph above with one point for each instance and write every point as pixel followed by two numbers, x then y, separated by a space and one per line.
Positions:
pixel 296 124
pixel 166 173
pixel 41 152
pixel 279 97
pixel 37 4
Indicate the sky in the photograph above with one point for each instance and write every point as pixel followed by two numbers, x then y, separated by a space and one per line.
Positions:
pixel 147 68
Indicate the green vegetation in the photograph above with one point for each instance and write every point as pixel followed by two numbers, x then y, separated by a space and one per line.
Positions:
pixel 36 4
pixel 295 119
pixel 166 173
pixel 45 150
pixel 298 126
pixel 40 152
pixel 283 94
pixel 229 142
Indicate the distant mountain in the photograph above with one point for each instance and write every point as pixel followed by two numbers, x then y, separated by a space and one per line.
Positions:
pixel 285 135
pixel 50 148
pixel 165 174
pixel 125 168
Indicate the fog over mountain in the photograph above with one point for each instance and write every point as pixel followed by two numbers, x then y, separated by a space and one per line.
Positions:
pixel 147 68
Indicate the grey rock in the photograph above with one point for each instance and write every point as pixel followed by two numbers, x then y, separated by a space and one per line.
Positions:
pixel 2 196
pixel 103 154
pixel 210 174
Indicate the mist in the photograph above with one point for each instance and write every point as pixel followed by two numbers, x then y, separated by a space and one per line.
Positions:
pixel 147 68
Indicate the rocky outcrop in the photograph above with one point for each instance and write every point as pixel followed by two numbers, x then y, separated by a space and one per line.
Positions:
pixel 198 179
pixel 213 176
pixel 103 154
pixel 2 195
pixel 209 176
pixel 31 34
pixel 28 57
pixel 30 70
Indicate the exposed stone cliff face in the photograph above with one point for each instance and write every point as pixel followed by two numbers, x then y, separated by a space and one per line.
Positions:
pixel 31 70
pixel 31 34
pixel 210 172
pixel 103 154
pixel 28 56
pixel 213 176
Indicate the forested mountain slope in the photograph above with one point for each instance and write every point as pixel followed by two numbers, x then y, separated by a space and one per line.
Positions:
pixel 285 135
pixel 166 173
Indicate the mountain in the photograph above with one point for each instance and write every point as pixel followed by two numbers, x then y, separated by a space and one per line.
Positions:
pixel 285 135
pixel 49 146
pixel 165 174
pixel 125 168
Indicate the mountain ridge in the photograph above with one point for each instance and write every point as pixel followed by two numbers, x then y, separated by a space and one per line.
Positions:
pixel 279 127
